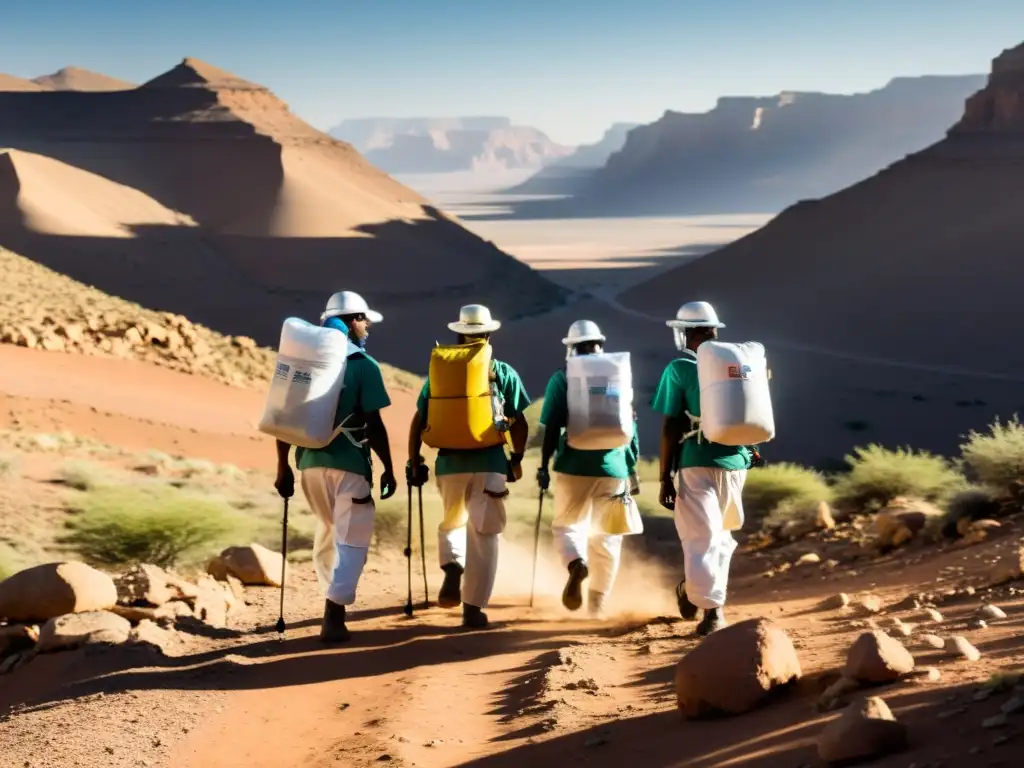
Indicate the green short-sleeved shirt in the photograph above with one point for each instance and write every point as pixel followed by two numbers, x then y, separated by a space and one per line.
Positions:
pixel 364 392
pixel 491 459
pixel 618 462
pixel 678 392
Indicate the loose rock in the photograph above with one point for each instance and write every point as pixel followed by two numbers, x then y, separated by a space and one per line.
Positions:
pixel 959 644
pixel 990 611
pixel 875 657
pixel 54 589
pixel 863 731
pixel 732 670
pixel 76 629
pixel 836 601
pixel 254 564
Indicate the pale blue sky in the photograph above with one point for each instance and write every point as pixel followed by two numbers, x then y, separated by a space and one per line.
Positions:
pixel 569 68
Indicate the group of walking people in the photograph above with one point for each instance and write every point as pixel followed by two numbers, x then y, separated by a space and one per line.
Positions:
pixel 594 490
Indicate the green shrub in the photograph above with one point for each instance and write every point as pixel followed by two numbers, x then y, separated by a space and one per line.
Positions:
pixel 777 488
pixel 116 525
pixel 996 458
pixel 877 475
pixel 7 464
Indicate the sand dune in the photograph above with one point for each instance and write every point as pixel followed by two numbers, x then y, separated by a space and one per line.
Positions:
pixel 55 198
pixel 891 307
pixel 12 83
pixel 77 79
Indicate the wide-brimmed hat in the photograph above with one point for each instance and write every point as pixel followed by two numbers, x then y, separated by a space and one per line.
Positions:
pixel 346 303
pixel 695 314
pixel 474 319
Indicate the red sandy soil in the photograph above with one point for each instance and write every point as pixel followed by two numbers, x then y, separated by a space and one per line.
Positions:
pixel 425 693
pixel 141 407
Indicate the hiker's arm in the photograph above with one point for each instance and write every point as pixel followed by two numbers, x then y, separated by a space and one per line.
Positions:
pixel 671 432
pixel 377 434
pixel 551 436
pixel 520 432
pixel 283 452
pixel 415 440
pixel 285 480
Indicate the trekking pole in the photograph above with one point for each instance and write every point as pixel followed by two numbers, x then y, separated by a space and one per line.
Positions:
pixel 536 546
pixel 408 554
pixel 284 559
pixel 423 553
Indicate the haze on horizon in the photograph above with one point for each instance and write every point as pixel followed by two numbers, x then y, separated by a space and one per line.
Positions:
pixel 568 68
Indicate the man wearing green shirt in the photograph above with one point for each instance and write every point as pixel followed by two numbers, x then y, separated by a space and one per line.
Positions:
pixel 594 507
pixel 706 494
pixel 337 480
pixel 472 484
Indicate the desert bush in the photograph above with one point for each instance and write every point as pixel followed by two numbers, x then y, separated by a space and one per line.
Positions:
pixel 782 490
pixel 80 475
pixel 996 458
pixel 878 475
pixel 7 464
pixel 163 526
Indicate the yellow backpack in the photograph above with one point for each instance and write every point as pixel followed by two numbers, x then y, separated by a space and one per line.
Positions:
pixel 465 410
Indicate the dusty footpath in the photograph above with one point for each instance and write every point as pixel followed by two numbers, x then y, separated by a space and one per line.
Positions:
pixel 539 687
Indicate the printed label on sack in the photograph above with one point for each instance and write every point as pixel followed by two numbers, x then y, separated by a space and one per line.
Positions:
pixel 282 371
pixel 739 371
pixel 301 377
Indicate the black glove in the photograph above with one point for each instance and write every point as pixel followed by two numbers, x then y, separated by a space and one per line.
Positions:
pixel 543 478
pixel 417 478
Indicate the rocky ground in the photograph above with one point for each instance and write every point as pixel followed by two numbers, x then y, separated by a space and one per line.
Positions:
pixel 841 646
pixel 43 309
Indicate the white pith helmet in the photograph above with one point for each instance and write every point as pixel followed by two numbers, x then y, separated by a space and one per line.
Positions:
pixel 474 319
pixel 693 314
pixel 349 303
pixel 581 332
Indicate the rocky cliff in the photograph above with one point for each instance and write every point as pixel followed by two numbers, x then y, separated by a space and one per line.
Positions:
pixel 569 175
pixel 763 153
pixel 999 107
pixel 446 145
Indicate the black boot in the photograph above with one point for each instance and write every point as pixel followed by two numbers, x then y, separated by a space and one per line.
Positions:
pixel 686 609
pixel 333 629
pixel 450 594
pixel 473 617
pixel 714 620
pixel 572 595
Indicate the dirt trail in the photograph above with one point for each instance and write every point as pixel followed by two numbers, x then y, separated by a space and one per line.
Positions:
pixel 541 688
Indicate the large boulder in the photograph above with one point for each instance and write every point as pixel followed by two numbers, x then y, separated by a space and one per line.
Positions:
pixel 876 657
pixel 54 589
pixel 863 731
pixel 733 669
pixel 77 629
pixel 254 564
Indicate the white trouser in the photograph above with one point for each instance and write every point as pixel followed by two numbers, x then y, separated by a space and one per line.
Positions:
pixel 344 529
pixel 474 515
pixel 594 511
pixel 709 506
